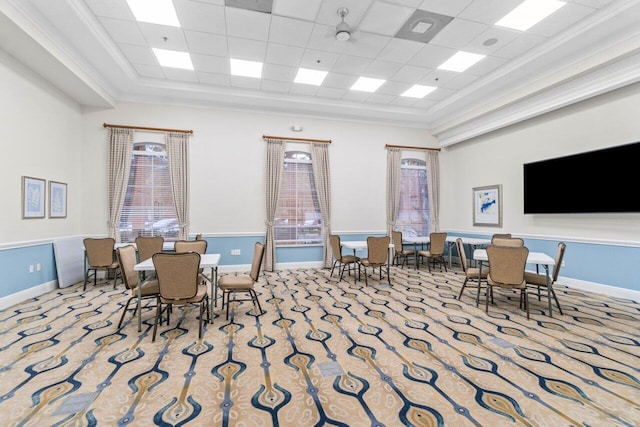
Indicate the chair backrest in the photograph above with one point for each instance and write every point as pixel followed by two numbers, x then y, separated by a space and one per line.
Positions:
pixel 258 254
pixel 334 241
pixel 199 236
pixel 436 242
pixel 147 246
pixel 396 238
pixel 199 246
pixel 513 242
pixel 377 249
pixel 559 257
pixel 100 251
pixel 461 254
pixel 127 260
pixel 177 274
pixel 500 236
pixel 507 264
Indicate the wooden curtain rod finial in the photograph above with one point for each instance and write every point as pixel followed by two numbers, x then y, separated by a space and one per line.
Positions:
pixel 108 125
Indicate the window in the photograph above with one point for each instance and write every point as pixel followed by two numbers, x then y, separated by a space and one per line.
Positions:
pixel 149 208
pixel 413 214
pixel 298 220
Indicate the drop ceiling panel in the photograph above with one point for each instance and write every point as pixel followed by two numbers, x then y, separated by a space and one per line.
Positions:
pixel 350 65
pixel 207 44
pixel 284 55
pixel 431 56
pixel 458 33
pixel 247 50
pixel 210 64
pixel 306 10
pixel 495 39
pixel 164 37
pixel 569 14
pixel 401 51
pixel 198 16
pixel 445 7
pixel 289 31
pixel 117 9
pixel 366 45
pixel 124 31
pixel 247 24
pixel 276 86
pixel 382 69
pixel 410 73
pixel 384 18
pixel 280 73
pixel 488 11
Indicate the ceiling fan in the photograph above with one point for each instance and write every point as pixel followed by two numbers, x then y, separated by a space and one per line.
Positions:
pixel 343 31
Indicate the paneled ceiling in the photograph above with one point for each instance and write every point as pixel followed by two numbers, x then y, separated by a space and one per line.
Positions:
pixel 95 51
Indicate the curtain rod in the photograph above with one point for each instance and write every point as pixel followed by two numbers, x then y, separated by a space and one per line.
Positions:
pixel 411 148
pixel 290 138
pixel 108 125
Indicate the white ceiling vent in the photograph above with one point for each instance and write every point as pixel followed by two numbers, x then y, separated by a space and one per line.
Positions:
pixel 422 26
pixel 257 5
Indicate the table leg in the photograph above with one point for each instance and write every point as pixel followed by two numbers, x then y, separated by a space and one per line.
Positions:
pixel 356 277
pixel 449 244
pixel 140 280
pixel 546 270
pixel 480 283
pixel 415 252
pixel 214 292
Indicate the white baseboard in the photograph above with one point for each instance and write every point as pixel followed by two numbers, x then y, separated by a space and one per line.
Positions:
pixel 18 297
pixel 598 288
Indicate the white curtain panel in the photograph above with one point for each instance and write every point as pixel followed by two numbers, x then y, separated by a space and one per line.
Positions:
pixel 322 178
pixel 394 176
pixel 118 167
pixel 433 188
pixel 274 166
pixel 177 146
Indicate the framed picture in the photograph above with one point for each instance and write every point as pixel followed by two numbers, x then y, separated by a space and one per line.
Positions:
pixel 57 199
pixel 487 206
pixel 33 197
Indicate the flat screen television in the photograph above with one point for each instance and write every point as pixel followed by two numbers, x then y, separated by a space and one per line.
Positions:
pixel 601 181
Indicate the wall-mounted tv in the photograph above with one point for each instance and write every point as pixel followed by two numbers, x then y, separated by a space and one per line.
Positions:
pixel 602 181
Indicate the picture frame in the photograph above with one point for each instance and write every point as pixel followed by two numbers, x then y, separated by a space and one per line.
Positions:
pixel 57 199
pixel 33 197
pixel 487 206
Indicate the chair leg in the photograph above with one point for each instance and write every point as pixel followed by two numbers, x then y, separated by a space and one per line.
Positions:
pixel 256 301
pixel 332 267
pixel 557 302
pixel 126 307
pixel 486 300
pixel 155 323
pixel 464 284
pixel 228 303
pixel 526 301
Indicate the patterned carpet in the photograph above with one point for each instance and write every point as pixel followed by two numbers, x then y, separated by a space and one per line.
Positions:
pixel 324 353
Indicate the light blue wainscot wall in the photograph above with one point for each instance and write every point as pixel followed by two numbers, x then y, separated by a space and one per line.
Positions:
pixel 15 262
pixel 605 264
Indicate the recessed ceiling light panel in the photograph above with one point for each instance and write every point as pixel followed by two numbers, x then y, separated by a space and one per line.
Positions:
pixel 159 12
pixel 366 84
pixel 529 13
pixel 173 59
pixel 244 68
pixel 418 91
pixel 461 61
pixel 310 77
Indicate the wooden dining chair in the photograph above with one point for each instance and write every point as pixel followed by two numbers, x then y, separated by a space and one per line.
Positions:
pixel 148 289
pixel 177 275
pixel 101 256
pixel 377 256
pixel 507 241
pixel 435 253
pixel 506 270
pixel 500 236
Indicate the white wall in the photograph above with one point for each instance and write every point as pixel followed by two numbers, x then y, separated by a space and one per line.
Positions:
pixel 227 164
pixel 497 158
pixel 41 137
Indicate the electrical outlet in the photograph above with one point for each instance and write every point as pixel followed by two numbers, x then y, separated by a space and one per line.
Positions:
pixel 38 267
pixel 30 268
pixel 235 251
